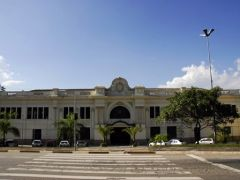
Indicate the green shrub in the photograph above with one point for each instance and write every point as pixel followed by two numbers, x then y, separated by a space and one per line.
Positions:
pixel 159 137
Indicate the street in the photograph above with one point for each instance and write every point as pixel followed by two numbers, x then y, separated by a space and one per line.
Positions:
pixel 116 166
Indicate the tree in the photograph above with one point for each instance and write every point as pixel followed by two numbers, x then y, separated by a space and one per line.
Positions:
pixel 104 131
pixel 5 126
pixel 65 128
pixel 2 88
pixel 198 106
pixel 132 131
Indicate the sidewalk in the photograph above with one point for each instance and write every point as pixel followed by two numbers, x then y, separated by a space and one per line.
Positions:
pixel 121 149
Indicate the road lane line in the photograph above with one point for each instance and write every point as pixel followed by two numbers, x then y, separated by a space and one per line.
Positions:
pixel 222 166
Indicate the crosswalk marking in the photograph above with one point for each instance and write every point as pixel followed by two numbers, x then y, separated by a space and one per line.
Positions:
pixel 162 163
pixel 106 168
pixel 104 172
pixel 100 166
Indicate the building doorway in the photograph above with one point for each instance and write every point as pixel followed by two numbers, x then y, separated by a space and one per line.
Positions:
pixel 118 137
pixel 171 132
pixel 36 134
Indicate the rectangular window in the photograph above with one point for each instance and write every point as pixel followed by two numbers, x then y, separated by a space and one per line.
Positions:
pixel 2 110
pixel 71 110
pixel 66 111
pixel 8 110
pixel 13 113
pixel 82 113
pixel 87 112
pixel 40 113
pixel 29 113
pixel 46 112
pixel 151 112
pixel 154 111
pixel 34 113
pixel 19 113
pixel 157 111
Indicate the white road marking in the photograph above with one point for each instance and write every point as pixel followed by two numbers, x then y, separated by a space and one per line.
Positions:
pixel 100 163
pixel 105 168
pixel 100 167
pixel 222 166
pixel 96 177
pixel 95 161
pixel 104 171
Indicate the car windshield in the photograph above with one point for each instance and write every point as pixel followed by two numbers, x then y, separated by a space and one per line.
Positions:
pixel 64 142
pixel 36 141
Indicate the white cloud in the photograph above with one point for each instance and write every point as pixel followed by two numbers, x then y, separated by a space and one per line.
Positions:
pixel 238 64
pixel 7 76
pixel 199 76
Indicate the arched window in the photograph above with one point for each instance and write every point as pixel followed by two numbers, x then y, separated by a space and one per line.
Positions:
pixel 120 112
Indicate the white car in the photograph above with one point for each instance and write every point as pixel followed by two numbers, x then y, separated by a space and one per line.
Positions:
pixel 174 142
pixel 206 141
pixel 161 143
pixel 64 143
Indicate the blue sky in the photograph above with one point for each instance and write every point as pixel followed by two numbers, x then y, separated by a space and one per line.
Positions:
pixel 83 43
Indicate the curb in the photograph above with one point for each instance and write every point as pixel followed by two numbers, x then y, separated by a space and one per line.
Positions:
pixel 139 152
pixel 61 151
pixel 98 152
pixel 29 151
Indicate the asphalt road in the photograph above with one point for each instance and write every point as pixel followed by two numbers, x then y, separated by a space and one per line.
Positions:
pixel 116 165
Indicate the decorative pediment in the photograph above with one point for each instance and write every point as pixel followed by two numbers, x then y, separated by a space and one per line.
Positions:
pixel 120 87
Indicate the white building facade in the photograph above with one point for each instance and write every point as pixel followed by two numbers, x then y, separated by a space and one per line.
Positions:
pixel 119 106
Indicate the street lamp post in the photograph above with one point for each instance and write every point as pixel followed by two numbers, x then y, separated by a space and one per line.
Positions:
pixel 207 33
pixel 74 125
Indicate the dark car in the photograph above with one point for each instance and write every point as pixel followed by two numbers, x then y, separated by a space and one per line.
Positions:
pixel 11 143
pixel 37 143
pixel 82 143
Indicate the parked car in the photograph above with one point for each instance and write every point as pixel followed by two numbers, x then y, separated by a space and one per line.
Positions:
pixel 11 143
pixel 161 143
pixel 174 142
pixel 37 143
pixel 205 141
pixel 64 143
pixel 82 143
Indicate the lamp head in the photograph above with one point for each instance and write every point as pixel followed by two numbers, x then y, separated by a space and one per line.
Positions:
pixel 207 32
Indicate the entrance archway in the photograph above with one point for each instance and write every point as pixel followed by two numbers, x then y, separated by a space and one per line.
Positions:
pixel 119 137
pixel 120 115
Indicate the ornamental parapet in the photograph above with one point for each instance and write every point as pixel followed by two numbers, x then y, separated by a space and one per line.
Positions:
pixel 161 91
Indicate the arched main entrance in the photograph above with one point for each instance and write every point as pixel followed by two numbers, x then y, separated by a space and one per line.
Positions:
pixel 120 115
pixel 119 137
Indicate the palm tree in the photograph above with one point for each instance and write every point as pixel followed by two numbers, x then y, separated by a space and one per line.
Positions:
pixel 132 131
pixel 65 128
pixel 104 131
pixel 5 126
